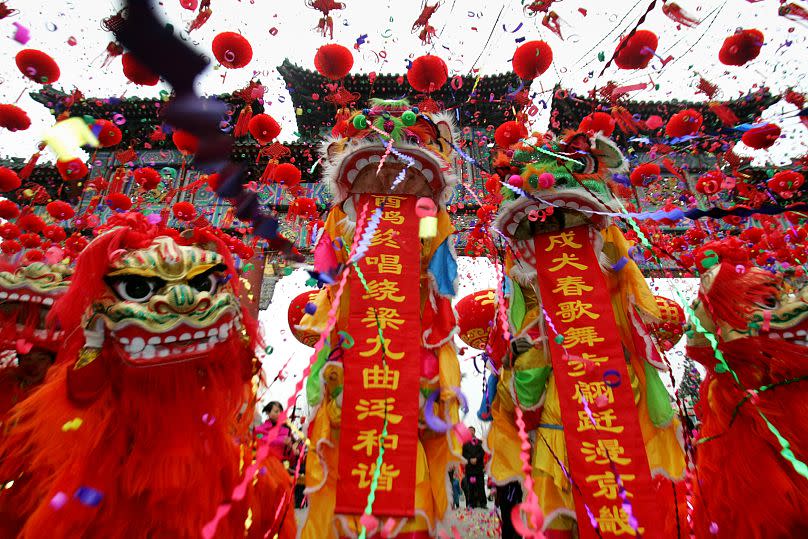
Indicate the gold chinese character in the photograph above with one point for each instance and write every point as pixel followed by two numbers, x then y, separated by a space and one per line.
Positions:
pixel 380 378
pixel 585 335
pixel 605 451
pixel 385 238
pixel 369 440
pixel 383 317
pixel 564 239
pixel 578 366
pixel 385 263
pixel 376 342
pixel 592 391
pixel 388 201
pixel 386 475
pixel 394 217
pixel 615 520
pixel 383 290
pixel 607 485
pixel 604 421
pixel 568 260
pixel 378 408
pixel 571 286
pixel 570 311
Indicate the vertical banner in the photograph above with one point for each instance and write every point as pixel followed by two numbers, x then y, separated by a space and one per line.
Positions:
pixel 590 369
pixel 382 368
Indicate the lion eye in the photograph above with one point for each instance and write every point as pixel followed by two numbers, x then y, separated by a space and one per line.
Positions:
pixel 135 288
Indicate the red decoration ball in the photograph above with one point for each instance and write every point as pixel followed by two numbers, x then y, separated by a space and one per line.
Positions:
pixel 761 137
pixel 516 181
pixel 297 308
pixel 287 175
pixel 14 118
pixel 37 66
pixel 509 133
pixel 684 122
pixel 54 233
pixel 8 209
pixel 474 315
pixel 305 208
pixel 147 178
pixel 740 48
pixel 31 223
pixel 786 182
pixel 72 170
pixel 710 182
pixel 644 174
pixel 532 59
pixel 9 231
pixel 598 122
pixel 60 210
pixel 108 133
pixel 9 180
pixel 184 211
pixel 10 247
pixel 636 51
pixel 137 72
pixel 333 61
pixel 185 142
pixel 232 50
pixel 29 241
pixel 264 128
pixel 427 74
pixel 119 202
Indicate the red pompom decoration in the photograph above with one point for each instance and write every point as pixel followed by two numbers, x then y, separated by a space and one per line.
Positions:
pixel 60 210
pixel 137 72
pixel 29 241
pixel 108 133
pixel 37 66
pixel 185 142
pixel 184 211
pixel 54 233
pixel 10 247
pixel 31 223
pixel 9 231
pixel 710 183
pixel 14 118
pixel 740 48
pixel 333 61
pixel 636 51
pixel 305 208
pixel 73 170
pixel 147 178
pixel 9 180
pixel 509 133
pixel 532 59
pixel 287 175
pixel 118 202
pixel 264 128
pixel 644 174
pixel 427 74
pixel 34 255
pixel 598 122
pixel 684 122
pixel 76 243
pixel 786 182
pixel 8 209
pixel 232 50
pixel 761 137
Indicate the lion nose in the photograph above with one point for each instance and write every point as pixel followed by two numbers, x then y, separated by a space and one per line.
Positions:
pixel 182 299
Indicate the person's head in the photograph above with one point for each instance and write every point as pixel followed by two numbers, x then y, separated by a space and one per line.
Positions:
pixel 473 432
pixel 273 410
pixel 34 365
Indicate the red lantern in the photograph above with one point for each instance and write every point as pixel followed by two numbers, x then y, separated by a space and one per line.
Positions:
pixel 10 247
pixel 137 72
pixel 287 175
pixel 118 202
pixel 37 66
pixel 636 51
pixel 509 133
pixel 644 174
pixel 297 309
pixel 672 325
pixel 31 223
pixel 185 142
pixel 147 178
pixel 54 233
pixel 475 313
pixel 684 122
pixel 427 74
pixel 29 241
pixel 9 180
pixel 9 231
pixel 786 182
pixel 108 133
pixel 8 209
pixel 761 137
pixel 305 208
pixel 14 118
pixel 531 59
pixel 184 211
pixel 60 210
pixel 34 255
pixel 264 128
pixel 232 50
pixel 73 170
pixel 710 182
pixel 740 48
pixel 333 61
pixel 598 122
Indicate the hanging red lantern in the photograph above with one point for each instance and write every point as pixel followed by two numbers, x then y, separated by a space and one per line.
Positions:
pixel 297 309
pixel 147 178
pixel 8 209
pixel 9 231
pixel 427 74
pixel 475 313
pixel 10 247
pixel 14 118
pixel 509 133
pixel 333 61
pixel 636 51
pixel 37 66
pixel 672 325
pixel 304 208
pixel 598 122
pixel 60 210
pixel 683 123
pixel 761 137
pixel 741 47
pixel 107 133
pixel 29 241
pixel 31 223
pixel 644 174
pixel 137 72
pixel 531 59
pixel 287 175
pixel 73 170
pixel 232 50
pixel 185 142
pixel 710 182
pixel 54 233
pixel 118 202
pixel 9 181
pixel 264 128
pixel 184 211
pixel 786 183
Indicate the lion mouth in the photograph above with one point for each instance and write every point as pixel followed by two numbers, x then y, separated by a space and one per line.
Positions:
pixel 795 335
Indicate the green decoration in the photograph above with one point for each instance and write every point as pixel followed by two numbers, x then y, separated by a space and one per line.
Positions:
pixel 657 399
pixel 360 121
pixel 530 385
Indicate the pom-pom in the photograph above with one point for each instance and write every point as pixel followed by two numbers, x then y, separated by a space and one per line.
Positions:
pixel 761 137
pixel 264 128
pixel 644 174
pixel 427 73
pixel 37 66
pixel 184 211
pixel 119 202
pixel 60 210
pixel 10 247
pixel 531 59
pixel 305 208
pixel 108 133
pixel 54 233
pixel 73 170
pixel 185 142
pixel 710 182
pixel 516 181
pixel 333 61
pixel 741 47
pixel 360 121
pixel 147 178
pixel 34 255
pixel 409 118
pixel 287 175
pixel 636 51
pixel 8 209
pixel 684 122
pixel 786 182
pixel 509 133
pixel 31 223
pixel 137 72
pixel 546 180
pixel 9 180
pixel 14 118
pixel 598 122
pixel 29 241
pixel 9 231
pixel 232 50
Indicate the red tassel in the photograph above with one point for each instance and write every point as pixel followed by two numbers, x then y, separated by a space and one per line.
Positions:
pixel 243 119
pixel 26 171
pixel 624 120
pixel 724 114
pixel 270 168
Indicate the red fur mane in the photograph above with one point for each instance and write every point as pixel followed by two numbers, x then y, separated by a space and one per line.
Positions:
pixel 732 297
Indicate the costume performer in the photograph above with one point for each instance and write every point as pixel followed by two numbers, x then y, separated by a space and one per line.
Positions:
pixel 141 428
pixel 387 156
pixel 549 222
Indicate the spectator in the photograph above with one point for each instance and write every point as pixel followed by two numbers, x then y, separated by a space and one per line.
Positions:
pixel 508 496
pixel 474 454
pixel 455 488
pixel 281 442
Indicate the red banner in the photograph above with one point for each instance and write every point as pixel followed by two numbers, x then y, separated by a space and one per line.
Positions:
pixel 382 368
pixel 590 369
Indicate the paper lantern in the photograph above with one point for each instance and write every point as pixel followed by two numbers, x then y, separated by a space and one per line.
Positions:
pixel 9 180
pixel 10 247
pixel 8 209
pixel 37 66
pixel 741 47
pixel 287 175
pixel 31 223
pixel 531 59
pixel 60 210
pixel 137 72
pixel 34 255
pixel 297 308
pixel 264 128
pixel 232 50
pixel 147 178
pixel 29 241
pixel 305 208
pixel 9 231
pixel 644 174
pixel 54 233
pixel 184 211
pixel 710 182
pixel 333 61
pixel 185 142
pixel 73 170
pixel 107 133
pixel 786 183
pixel 683 123
pixel 636 51
pixel 509 133
pixel 14 118
pixel 672 325
pixel 475 313
pixel 761 137
pixel 427 74
pixel 118 202
pixel 598 122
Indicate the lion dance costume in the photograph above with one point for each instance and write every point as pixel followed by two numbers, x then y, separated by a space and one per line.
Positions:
pixel 581 364
pixel 400 364
pixel 141 429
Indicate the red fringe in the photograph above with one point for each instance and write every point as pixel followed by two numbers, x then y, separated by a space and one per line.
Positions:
pixel 724 113
pixel 732 296
pixel 243 121
pixel 26 171
pixel 625 121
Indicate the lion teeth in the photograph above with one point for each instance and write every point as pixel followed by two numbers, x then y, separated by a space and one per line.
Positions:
pixel 352 174
pixel 47 301
pixel 149 352
pixel 185 337
pixel 788 335
pixel 170 339
pixel 155 340
pixel 137 345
